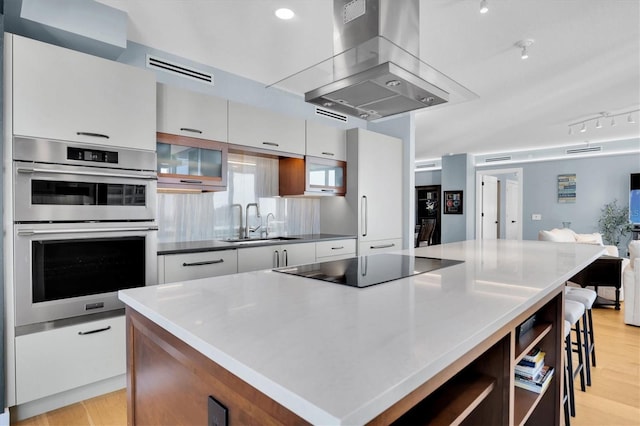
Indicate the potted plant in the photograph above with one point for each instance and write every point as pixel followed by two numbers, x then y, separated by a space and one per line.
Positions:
pixel 614 223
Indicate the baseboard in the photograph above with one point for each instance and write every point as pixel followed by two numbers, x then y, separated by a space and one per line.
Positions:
pixel 39 406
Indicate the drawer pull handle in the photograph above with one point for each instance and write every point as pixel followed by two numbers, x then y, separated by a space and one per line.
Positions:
pixel 98 330
pixel 190 181
pixel 328 190
pixel 206 262
pixel 270 143
pixel 94 135
pixel 337 248
pixel 187 129
pixel 382 246
pixel 328 153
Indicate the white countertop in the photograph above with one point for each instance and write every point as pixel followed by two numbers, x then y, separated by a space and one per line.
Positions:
pixel 341 355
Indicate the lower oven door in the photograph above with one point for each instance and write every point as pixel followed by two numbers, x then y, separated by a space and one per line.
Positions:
pixel 73 269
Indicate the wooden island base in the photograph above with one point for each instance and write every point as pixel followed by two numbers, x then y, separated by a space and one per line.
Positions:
pixel 169 382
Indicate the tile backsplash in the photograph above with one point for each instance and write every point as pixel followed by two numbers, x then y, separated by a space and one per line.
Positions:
pixel 209 216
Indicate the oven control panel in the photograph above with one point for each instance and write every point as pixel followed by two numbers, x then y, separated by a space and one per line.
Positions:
pixel 95 155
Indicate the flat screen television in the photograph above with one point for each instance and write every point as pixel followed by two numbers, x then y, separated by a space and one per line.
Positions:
pixel 634 200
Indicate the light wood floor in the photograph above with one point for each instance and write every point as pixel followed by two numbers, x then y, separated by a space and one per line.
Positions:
pixel 613 398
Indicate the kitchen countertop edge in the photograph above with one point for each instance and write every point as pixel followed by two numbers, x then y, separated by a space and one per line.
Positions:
pixel 217 245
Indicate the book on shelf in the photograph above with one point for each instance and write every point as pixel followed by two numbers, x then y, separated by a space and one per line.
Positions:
pixel 532 364
pixel 529 369
pixel 540 383
pixel 534 355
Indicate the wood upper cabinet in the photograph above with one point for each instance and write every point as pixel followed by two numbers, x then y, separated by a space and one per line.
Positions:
pixel 187 113
pixel 67 95
pixel 264 129
pixel 325 141
pixel 186 163
pixel 312 176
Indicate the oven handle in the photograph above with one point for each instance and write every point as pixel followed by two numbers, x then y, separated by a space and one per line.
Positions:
pixel 83 173
pixel 28 232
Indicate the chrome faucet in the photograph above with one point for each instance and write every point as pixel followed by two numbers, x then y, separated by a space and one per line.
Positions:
pixel 240 229
pixel 246 219
pixel 267 230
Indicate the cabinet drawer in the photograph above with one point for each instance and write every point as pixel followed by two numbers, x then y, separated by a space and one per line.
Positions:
pixel 187 113
pixel 183 267
pixel 336 248
pixel 57 360
pixel 67 95
pixel 264 129
pixel 326 142
pixel 379 246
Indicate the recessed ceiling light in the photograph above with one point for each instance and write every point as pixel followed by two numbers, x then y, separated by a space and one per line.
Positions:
pixel 285 13
pixel 484 7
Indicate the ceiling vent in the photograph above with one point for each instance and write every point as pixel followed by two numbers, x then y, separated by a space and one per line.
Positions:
pixel 191 73
pixel 331 114
pixel 583 150
pixel 494 159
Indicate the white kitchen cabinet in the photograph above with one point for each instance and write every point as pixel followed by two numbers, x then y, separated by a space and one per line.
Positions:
pixel 264 129
pixel 65 358
pixel 335 249
pixel 187 113
pixel 67 95
pixel 325 141
pixel 380 246
pixel 374 186
pixel 191 266
pixel 268 257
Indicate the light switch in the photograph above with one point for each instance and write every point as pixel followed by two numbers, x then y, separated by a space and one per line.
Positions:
pixel 536 216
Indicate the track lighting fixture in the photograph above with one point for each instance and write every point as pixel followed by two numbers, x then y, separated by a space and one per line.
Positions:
pixel 603 116
pixel 524 45
pixel 484 7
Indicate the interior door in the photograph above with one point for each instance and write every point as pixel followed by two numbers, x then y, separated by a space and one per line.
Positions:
pixel 511 210
pixel 490 223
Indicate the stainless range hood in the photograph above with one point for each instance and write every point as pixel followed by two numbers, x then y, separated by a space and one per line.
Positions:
pixel 375 71
pixel 369 84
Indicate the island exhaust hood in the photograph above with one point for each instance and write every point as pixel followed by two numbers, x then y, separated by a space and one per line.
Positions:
pixel 376 69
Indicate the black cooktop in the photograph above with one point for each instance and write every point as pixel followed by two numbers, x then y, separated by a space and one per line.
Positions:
pixel 365 271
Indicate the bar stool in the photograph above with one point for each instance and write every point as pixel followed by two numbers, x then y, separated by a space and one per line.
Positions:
pixel 568 386
pixel 587 297
pixel 573 311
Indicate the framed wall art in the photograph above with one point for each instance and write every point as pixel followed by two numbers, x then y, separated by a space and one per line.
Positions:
pixel 567 188
pixel 452 202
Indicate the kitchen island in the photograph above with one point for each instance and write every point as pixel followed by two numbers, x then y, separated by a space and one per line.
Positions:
pixel 276 348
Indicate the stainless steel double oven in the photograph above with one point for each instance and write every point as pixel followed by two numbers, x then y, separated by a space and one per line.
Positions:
pixel 84 227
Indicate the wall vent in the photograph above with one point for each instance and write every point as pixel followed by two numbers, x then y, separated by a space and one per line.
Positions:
pixel 331 114
pixel 191 73
pixel 492 159
pixel 583 150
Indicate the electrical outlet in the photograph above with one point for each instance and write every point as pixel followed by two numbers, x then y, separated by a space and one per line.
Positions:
pixel 217 413
pixel 536 216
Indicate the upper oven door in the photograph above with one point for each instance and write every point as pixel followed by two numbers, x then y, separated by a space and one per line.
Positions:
pixel 54 192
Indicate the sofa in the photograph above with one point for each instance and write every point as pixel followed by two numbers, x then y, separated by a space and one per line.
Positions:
pixel 567 235
pixel 631 284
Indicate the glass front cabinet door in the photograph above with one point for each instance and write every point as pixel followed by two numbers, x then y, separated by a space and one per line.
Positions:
pixel 191 164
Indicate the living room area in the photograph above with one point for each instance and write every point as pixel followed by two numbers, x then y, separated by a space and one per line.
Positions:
pixel 586 200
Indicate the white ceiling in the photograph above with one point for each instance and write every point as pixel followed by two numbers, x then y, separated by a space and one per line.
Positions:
pixel 585 60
